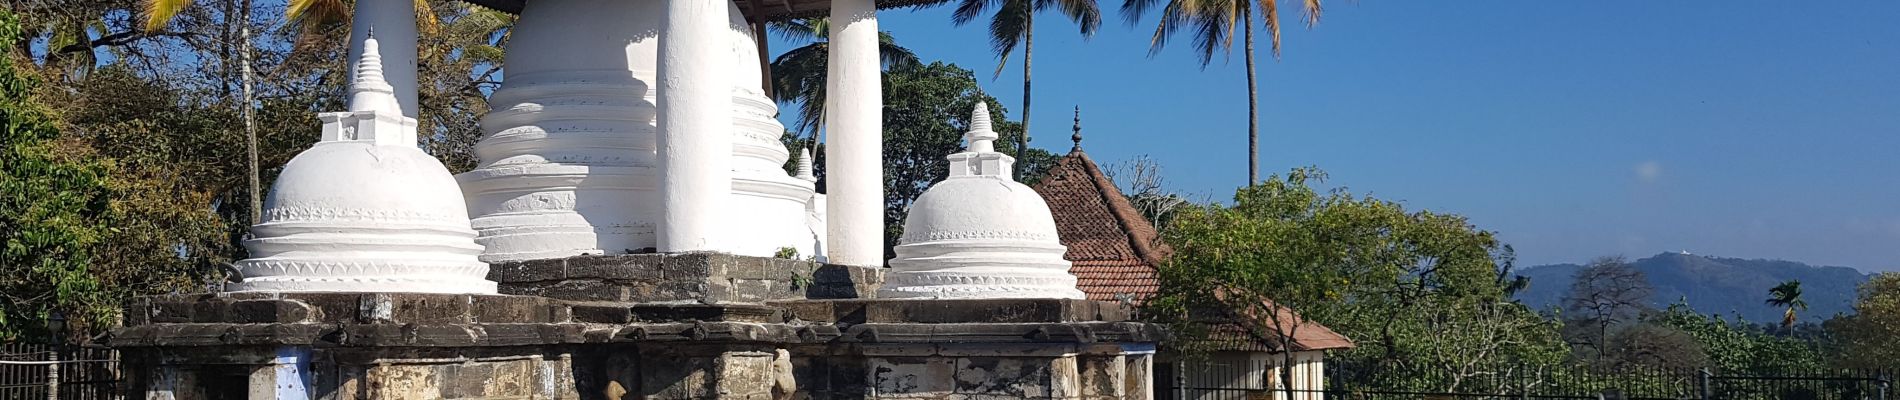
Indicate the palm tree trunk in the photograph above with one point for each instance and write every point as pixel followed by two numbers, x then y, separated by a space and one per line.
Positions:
pixel 250 123
pixel 1029 41
pixel 1253 104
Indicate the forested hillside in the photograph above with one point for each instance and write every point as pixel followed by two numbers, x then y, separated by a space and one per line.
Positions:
pixel 1726 286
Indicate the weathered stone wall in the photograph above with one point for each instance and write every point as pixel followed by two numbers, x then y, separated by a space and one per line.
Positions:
pixel 973 371
pixel 442 346
pixel 292 372
pixel 683 277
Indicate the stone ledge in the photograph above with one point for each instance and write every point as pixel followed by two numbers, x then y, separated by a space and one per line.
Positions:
pixel 858 311
pixel 696 276
pixel 500 335
pixel 357 308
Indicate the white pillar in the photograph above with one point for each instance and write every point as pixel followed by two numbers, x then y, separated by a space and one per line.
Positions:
pixel 395 25
pixel 694 123
pixel 854 159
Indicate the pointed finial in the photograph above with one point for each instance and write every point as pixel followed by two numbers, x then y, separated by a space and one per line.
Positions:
pixel 804 166
pixel 368 91
pixel 980 136
pixel 1077 137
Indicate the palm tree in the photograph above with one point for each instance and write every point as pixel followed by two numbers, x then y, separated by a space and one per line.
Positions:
pixel 1013 24
pixel 798 76
pixel 1788 294
pixel 1212 23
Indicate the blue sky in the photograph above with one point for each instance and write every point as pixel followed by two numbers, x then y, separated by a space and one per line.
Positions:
pixel 1749 129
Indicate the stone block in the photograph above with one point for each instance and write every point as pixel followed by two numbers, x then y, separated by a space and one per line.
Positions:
pixel 1138 376
pixel 413 308
pixel 585 290
pixel 1102 376
pixel 269 311
pixel 689 266
pixel 508 309
pixel 601 313
pixel 334 307
pixel 1064 378
pixel 704 312
pixel 673 377
pixel 744 375
pixel 627 267
pixel 912 377
pixel 1003 376
pixel 528 271
pixel 402 381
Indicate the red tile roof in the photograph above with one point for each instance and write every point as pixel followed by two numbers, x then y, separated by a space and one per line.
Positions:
pixel 1114 249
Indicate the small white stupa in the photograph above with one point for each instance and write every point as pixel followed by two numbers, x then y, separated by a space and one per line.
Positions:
pixel 979 234
pixel 364 210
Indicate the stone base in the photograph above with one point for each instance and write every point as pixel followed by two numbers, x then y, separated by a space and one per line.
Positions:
pixel 413 346
pixel 684 277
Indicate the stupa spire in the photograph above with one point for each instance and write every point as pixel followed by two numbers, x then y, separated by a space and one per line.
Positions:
pixel 804 166
pixel 369 91
pixel 981 137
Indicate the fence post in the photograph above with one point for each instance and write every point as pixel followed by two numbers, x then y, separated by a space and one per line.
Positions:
pixel 52 376
pixel 1884 380
pixel 1704 383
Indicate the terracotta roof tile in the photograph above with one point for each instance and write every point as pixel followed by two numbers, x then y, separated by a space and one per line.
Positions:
pixel 1113 248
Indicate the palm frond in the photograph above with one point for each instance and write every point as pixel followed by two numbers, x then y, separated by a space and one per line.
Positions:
pixel 802 29
pixel 1006 30
pixel 1085 13
pixel 158 13
pixel 968 10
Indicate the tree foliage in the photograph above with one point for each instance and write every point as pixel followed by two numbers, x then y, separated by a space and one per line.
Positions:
pixel 1870 338
pixel 1414 289
pixel 54 210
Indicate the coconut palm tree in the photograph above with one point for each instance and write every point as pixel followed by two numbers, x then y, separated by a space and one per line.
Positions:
pixel 1212 23
pixel 1788 294
pixel 798 75
pixel 1014 23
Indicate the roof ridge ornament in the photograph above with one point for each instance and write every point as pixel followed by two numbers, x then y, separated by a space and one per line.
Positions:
pixel 1077 137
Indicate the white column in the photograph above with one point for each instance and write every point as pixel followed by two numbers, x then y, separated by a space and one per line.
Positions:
pixel 854 159
pixel 395 25
pixel 694 122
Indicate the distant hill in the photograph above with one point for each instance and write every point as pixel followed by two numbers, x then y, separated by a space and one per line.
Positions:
pixel 1716 285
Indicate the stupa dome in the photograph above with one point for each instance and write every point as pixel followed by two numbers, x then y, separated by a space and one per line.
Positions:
pixel 979 233
pixel 364 210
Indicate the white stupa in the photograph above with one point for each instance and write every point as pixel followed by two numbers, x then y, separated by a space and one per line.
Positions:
pixel 979 233
pixel 364 210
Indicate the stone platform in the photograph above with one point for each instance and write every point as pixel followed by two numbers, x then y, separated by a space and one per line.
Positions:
pixel 439 346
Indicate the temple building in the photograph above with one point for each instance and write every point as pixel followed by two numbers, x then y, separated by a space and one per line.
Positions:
pixel 630 234
pixel 1116 253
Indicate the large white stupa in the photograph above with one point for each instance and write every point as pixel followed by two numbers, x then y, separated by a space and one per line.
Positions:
pixel 979 233
pixel 571 165
pixel 364 210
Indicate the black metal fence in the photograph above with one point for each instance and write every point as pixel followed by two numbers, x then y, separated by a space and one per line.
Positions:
pixel 1257 380
pixel 57 372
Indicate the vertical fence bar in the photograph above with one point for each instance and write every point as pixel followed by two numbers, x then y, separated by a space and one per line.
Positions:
pixel 52 376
